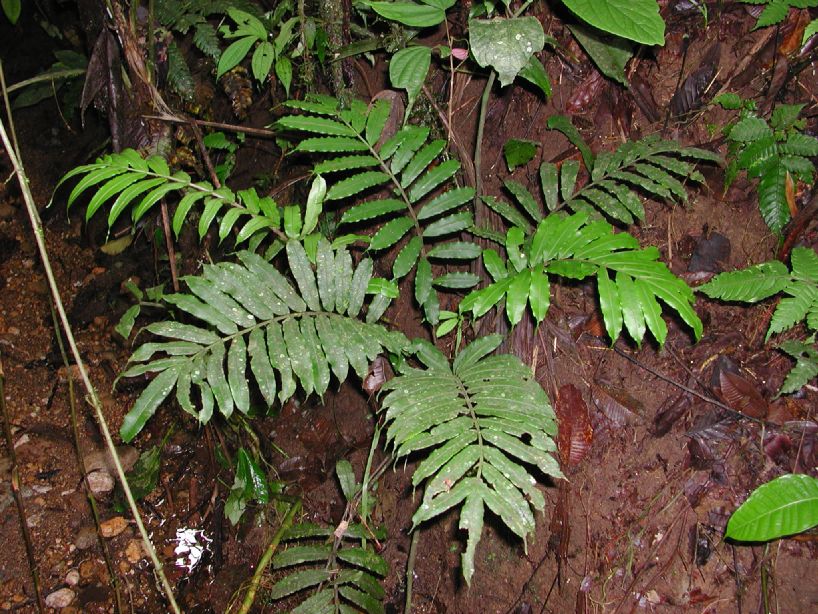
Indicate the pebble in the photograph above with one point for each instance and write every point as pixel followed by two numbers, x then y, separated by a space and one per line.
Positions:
pixel 113 526
pixel 99 459
pixel 72 578
pixel 134 551
pixel 86 537
pixel 100 482
pixel 60 599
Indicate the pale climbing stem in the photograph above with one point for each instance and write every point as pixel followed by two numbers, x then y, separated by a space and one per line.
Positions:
pixel 37 228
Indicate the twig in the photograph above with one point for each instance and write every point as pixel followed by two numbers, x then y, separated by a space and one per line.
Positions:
pixel 174 276
pixel 478 146
pixel 250 595
pixel 18 499
pixel 410 570
pixel 466 161
pixel 37 229
pixel 175 119
pixel 687 389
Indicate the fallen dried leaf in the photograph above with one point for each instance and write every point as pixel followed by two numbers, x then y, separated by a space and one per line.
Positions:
pixel 575 433
pixel 742 395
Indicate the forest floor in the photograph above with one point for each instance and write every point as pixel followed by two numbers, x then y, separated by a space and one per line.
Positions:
pixel 638 525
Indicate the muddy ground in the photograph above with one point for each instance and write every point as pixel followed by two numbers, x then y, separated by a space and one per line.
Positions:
pixel 638 525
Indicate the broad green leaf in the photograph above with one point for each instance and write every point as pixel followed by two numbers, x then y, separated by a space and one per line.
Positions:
pixel 445 202
pixel 315 201
pixel 784 506
pixel 408 68
pixel 457 280
pixel 609 53
pixel 637 20
pixel 284 72
pixel 506 45
pixel 234 54
pixel 519 152
pixel 450 224
pixel 409 13
pixel 539 295
pixel 534 72
pixel 517 296
pixel 455 250
pixel 262 61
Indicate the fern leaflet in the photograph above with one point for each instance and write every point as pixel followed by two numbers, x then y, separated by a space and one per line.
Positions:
pixel 418 213
pixel 480 422
pixel 252 316
pixel 342 573
pixel 140 184
pixel 650 166
pixel 775 152
pixel 762 281
pixel 629 279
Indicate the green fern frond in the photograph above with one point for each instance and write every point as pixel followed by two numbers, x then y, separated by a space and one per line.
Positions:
pixel 343 573
pixel 138 184
pixel 179 77
pixel 768 151
pixel 630 281
pixel 480 423
pixel 207 41
pixel 651 166
pixel 805 355
pixel 764 280
pixel 252 316
pixel 417 215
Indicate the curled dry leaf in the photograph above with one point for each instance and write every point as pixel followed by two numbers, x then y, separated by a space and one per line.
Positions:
pixel 379 372
pixel 670 411
pixel 576 432
pixel 617 405
pixel 742 395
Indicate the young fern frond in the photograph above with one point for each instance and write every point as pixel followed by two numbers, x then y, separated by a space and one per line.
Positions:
pixel 480 424
pixel 250 313
pixel 353 141
pixel 342 573
pixel 140 184
pixel 776 153
pixel 630 280
pixel 762 281
pixel 651 166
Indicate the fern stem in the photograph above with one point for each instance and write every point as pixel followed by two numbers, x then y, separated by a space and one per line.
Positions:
pixel 410 570
pixel 478 145
pixel 250 595
pixel 39 236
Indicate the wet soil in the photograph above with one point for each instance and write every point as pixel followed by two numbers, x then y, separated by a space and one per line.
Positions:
pixel 638 525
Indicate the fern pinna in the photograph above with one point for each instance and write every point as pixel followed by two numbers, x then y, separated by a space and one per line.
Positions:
pixel 250 313
pixel 767 279
pixel 629 279
pixel 337 563
pixel 139 184
pixel 405 162
pixel 479 423
pixel 650 166
pixel 776 153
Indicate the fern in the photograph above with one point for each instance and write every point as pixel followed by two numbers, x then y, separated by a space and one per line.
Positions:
pixel 775 152
pixel 762 281
pixel 629 279
pixel 332 561
pixel 353 142
pixel 479 423
pixel 249 312
pixel 140 184
pixel 182 16
pixel 650 166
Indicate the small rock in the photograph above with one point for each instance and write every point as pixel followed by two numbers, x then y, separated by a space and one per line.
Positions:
pixel 24 439
pixel 113 526
pixel 88 569
pixel 60 599
pixel 72 578
pixel 135 551
pixel 100 459
pixel 86 537
pixel 100 482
